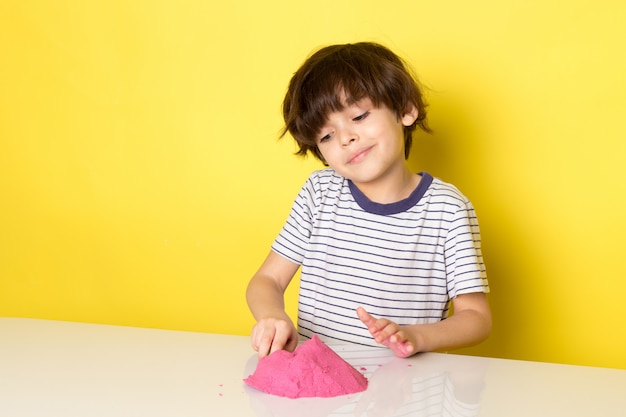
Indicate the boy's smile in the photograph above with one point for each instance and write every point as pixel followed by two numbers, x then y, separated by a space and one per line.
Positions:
pixel 359 155
pixel 365 144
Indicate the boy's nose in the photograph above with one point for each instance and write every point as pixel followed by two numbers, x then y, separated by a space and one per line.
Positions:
pixel 348 137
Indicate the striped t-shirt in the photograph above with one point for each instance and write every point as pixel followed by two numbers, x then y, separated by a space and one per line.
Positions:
pixel 403 261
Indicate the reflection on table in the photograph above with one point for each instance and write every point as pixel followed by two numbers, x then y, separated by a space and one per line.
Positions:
pixel 437 385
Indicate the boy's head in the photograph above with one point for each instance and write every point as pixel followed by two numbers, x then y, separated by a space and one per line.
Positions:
pixel 340 75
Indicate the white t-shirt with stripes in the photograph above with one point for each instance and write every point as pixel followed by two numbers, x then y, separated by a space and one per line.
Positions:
pixel 403 261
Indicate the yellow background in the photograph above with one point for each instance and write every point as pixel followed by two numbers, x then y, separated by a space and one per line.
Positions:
pixel 142 182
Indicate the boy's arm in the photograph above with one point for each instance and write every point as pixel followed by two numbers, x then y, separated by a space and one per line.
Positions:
pixel 469 325
pixel 274 329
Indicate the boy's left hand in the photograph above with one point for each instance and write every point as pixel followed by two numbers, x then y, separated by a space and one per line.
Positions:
pixel 390 334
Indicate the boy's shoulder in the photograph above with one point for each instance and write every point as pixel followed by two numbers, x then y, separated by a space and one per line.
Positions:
pixel 447 190
pixel 325 177
pixel 325 173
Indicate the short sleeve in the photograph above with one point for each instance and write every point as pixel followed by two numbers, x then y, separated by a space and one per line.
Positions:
pixel 293 239
pixel 465 268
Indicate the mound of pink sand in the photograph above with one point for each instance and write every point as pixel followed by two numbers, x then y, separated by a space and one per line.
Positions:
pixel 312 370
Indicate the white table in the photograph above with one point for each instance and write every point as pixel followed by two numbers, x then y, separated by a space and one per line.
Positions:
pixel 50 368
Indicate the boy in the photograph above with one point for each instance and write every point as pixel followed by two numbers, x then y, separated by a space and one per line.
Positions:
pixel 383 250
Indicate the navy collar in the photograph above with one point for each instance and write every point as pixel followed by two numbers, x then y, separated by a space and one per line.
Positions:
pixel 392 208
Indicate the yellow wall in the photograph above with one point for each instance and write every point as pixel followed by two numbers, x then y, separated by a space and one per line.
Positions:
pixel 141 181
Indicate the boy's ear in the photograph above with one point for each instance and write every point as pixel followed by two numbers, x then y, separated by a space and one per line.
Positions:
pixel 410 116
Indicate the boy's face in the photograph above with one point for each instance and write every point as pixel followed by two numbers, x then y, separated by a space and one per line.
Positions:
pixel 365 143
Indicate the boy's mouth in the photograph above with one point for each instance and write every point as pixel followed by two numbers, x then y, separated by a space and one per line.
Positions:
pixel 359 155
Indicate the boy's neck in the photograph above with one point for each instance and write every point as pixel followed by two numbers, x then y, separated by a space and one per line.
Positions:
pixel 391 189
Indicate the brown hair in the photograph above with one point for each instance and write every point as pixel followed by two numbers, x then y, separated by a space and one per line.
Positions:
pixel 340 75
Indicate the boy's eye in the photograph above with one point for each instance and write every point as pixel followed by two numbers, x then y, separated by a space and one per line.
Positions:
pixel 361 116
pixel 325 138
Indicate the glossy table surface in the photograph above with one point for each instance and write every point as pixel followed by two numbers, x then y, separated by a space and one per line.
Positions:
pixel 51 368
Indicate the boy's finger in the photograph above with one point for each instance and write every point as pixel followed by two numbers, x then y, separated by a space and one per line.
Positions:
pixel 265 345
pixel 263 350
pixel 365 317
pixel 279 342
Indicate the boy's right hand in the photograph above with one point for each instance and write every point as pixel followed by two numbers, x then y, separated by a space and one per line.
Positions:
pixel 270 335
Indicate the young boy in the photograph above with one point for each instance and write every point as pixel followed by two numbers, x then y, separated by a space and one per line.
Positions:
pixel 383 250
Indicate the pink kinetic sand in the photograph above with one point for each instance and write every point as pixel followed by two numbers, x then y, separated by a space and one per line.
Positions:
pixel 312 370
